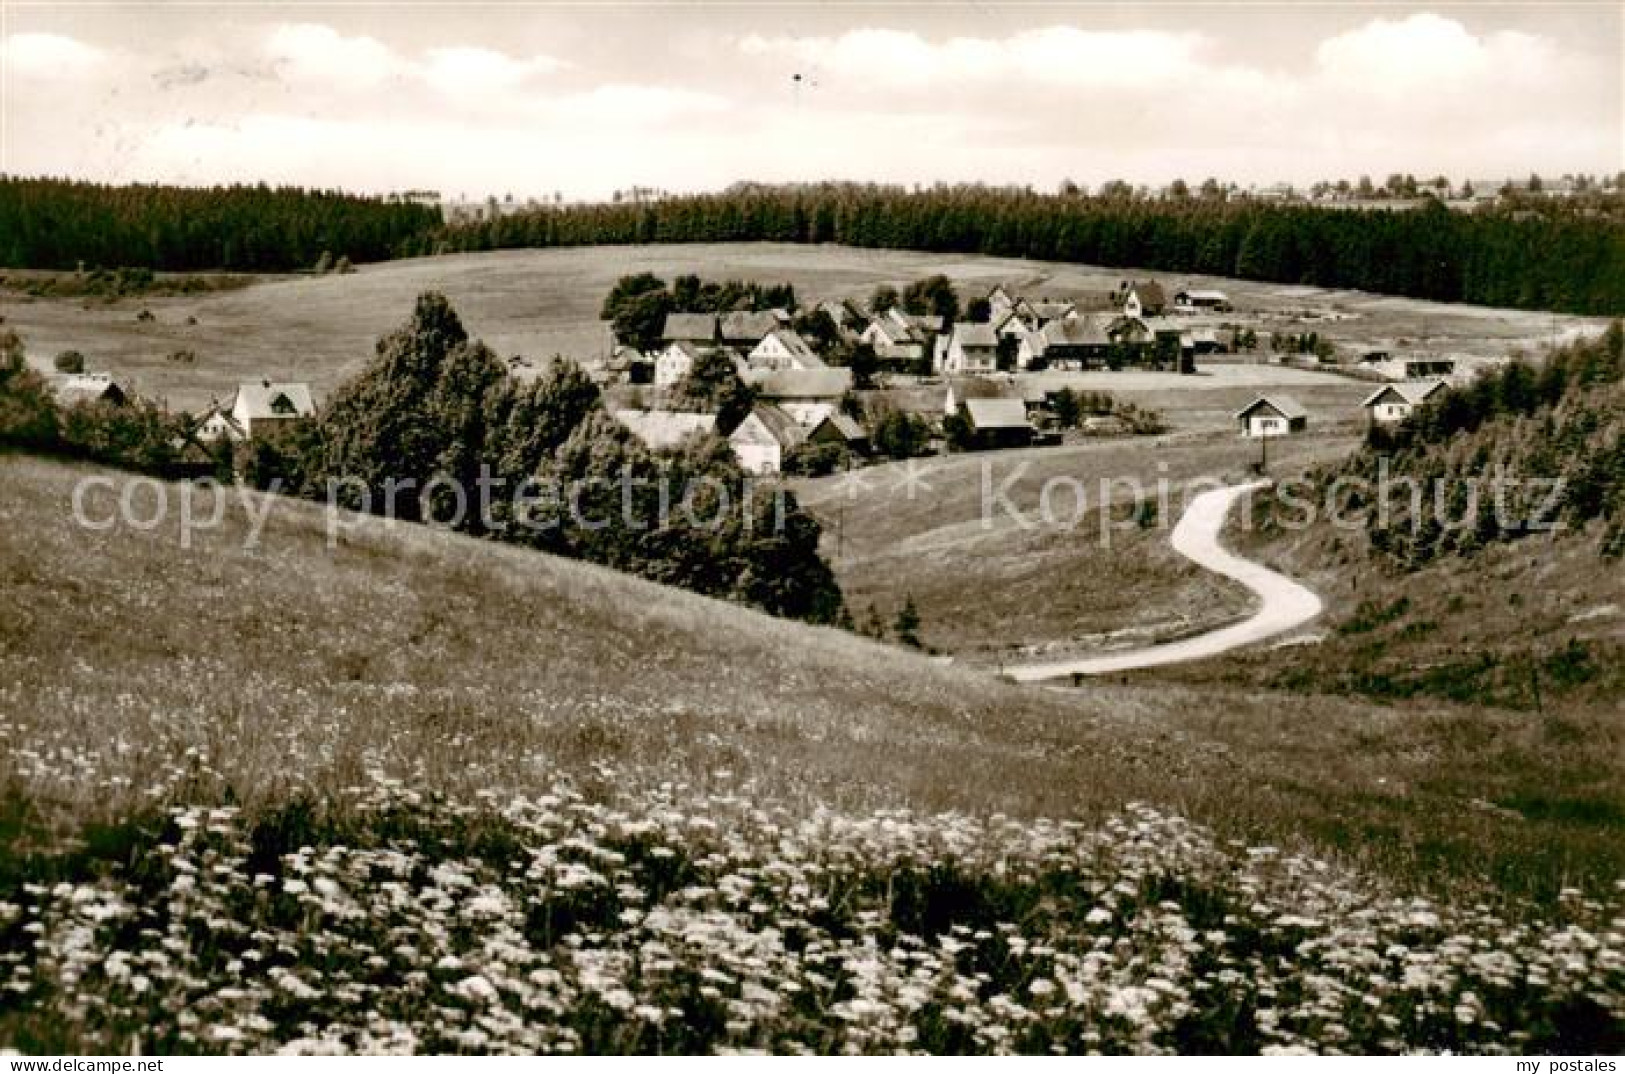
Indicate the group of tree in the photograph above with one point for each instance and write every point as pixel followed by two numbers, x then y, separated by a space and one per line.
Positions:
pixel 136 434
pixel 1515 452
pixel 61 224
pixel 1300 343
pixel 438 411
pixel 637 304
pixel 1560 254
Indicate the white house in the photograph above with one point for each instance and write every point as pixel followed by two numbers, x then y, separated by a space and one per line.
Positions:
pixel 1196 300
pixel 661 430
pixel 1394 402
pixel 762 440
pixel 971 348
pixel 783 348
pixel 217 425
pixel 894 342
pixel 263 406
pixel 87 388
pixel 1272 415
pixel 673 363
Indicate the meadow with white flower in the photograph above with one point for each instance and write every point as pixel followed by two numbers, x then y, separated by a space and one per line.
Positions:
pixel 423 793
pixel 675 920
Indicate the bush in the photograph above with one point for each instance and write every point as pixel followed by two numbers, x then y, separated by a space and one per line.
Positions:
pixel 69 362
pixel 808 459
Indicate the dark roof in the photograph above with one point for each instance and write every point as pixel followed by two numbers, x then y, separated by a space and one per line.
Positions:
pixel 841 423
pixel 745 326
pixel 1150 292
pixel 781 426
pixel 1078 332
pixel 1414 392
pixel 1284 405
pixel 698 326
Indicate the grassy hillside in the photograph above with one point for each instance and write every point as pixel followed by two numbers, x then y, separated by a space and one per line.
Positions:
pixel 1516 601
pixel 989 589
pixel 541 302
pixel 472 785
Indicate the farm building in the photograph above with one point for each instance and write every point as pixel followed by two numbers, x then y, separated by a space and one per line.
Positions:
pixel 1144 299
pixel 1394 402
pixel 1077 343
pixel 744 329
pixel 1197 300
pixel 661 430
pixel 783 348
pixel 802 393
pixel 836 427
pixel 894 342
pixel 762 440
pixel 963 389
pixel 998 423
pixel 691 328
pixel 263 406
pixel 1398 367
pixel 971 348
pixel 1272 415
pixel 88 388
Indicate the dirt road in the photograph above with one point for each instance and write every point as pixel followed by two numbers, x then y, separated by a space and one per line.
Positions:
pixel 1286 604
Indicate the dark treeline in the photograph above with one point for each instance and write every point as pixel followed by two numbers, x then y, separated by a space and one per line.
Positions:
pixel 1530 253
pixel 1544 255
pixel 57 224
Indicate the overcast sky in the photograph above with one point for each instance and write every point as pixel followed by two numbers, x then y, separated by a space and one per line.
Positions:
pixel 532 99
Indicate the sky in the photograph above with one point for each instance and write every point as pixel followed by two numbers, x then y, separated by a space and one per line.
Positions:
pixel 531 99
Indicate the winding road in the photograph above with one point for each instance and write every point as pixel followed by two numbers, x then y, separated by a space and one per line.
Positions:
pixel 1286 604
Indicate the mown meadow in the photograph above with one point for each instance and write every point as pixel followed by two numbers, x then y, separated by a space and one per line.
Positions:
pixel 416 791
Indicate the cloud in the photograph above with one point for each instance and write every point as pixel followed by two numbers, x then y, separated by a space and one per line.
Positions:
pixel 482 71
pixel 1060 55
pixel 312 53
pixel 38 55
pixel 304 102
pixel 1427 52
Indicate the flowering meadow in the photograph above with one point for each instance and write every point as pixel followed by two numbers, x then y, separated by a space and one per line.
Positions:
pixel 675 920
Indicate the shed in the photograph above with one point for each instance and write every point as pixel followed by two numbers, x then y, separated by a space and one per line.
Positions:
pixel 1272 415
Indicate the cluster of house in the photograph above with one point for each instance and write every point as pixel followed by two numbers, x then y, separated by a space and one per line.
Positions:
pixel 256 408
pixel 798 394
pixel 1275 414
pixel 1137 323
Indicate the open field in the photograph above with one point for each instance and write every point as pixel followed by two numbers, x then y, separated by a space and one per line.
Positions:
pixel 510 802
pixel 994 582
pixel 541 302
pixel 1204 402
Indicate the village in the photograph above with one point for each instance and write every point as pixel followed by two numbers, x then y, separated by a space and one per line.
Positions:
pixel 823 377
pixel 995 378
